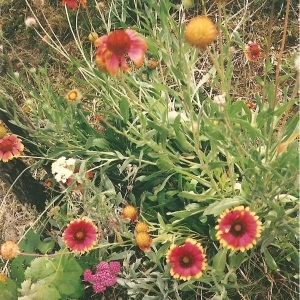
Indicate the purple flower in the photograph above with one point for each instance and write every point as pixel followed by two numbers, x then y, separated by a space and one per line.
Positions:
pixel 105 275
pixel 115 267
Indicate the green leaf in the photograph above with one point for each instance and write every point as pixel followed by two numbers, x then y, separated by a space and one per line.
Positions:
pixel 236 259
pixel 270 260
pixel 219 261
pixel 124 109
pixel 218 207
pixel 46 246
pixel 61 273
pixel 8 290
pixel 37 292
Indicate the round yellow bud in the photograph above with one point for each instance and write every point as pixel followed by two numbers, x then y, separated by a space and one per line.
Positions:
pixel 200 32
pixel 93 36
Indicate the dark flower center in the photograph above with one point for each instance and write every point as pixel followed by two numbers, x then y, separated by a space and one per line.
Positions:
pixel 118 42
pixel 6 145
pixel 237 228
pixel 186 261
pixel 79 235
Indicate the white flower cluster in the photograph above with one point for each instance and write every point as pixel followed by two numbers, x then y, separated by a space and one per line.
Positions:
pixel 63 168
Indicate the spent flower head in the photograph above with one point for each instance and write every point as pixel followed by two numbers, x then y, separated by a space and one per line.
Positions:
pixel 143 240
pixel 130 213
pixel 30 22
pixel 9 250
pixel 252 51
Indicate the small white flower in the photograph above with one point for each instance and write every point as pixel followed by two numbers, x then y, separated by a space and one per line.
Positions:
pixel 63 168
pixel 220 99
pixel 30 22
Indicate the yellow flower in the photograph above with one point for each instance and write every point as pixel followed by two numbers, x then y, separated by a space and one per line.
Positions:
pixel 74 96
pixel 200 32
pixel 9 250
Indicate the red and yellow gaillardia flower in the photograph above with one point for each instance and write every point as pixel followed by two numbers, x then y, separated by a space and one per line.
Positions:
pixel 10 147
pixel 130 213
pixel 143 240
pixel 187 260
pixel 9 250
pixel 252 51
pixel 200 32
pixel 112 48
pixel 80 235
pixel 238 228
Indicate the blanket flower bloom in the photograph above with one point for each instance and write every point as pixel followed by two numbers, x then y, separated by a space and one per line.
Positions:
pixel 112 48
pixel 80 235
pixel 200 32
pixel 187 261
pixel 238 228
pixel 10 147
pixel 252 51
pixel 9 250
pixel 73 3
pixel 105 275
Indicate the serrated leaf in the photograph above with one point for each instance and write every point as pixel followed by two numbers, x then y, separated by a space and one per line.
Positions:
pixel 61 273
pixel 37 291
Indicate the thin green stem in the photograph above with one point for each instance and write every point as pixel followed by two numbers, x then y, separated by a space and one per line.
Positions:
pixel 281 51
